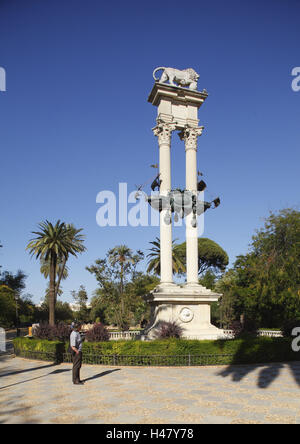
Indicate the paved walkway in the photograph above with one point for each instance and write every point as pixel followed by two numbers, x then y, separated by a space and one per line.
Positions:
pixel 39 392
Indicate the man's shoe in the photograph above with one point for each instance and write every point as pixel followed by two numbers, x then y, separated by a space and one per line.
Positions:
pixel 78 383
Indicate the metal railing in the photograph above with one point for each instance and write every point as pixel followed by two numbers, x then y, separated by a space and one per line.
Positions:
pixel 153 360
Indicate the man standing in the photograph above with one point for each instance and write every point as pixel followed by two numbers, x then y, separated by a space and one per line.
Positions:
pixel 76 347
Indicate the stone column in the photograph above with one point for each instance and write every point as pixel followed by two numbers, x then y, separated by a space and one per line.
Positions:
pixel 163 131
pixel 190 135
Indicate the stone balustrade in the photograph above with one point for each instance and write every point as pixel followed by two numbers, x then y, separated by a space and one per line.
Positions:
pixel 270 333
pixel 127 335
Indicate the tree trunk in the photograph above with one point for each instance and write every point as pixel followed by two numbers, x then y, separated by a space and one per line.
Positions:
pixel 122 289
pixel 52 290
pixel 60 277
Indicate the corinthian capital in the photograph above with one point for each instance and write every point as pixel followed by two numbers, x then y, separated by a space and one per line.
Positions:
pixel 190 135
pixel 163 131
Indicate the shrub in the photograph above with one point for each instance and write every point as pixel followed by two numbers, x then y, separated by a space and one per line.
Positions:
pixel 246 329
pixel 59 331
pixel 170 330
pixel 62 332
pixel 237 328
pixel 238 351
pixel 43 331
pixel 250 328
pixel 41 349
pixel 98 333
pixel 124 325
pixel 288 327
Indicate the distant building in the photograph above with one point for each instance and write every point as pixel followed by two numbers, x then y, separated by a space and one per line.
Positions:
pixel 76 307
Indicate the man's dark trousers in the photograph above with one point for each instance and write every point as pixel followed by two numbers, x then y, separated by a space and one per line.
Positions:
pixel 77 361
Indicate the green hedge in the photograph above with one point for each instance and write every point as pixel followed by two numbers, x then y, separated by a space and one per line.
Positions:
pixel 39 348
pixel 240 351
pixel 263 349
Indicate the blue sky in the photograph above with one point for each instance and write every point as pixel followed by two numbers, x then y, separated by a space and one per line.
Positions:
pixel 75 118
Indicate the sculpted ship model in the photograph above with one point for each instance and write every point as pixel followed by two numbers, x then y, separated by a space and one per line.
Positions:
pixel 180 202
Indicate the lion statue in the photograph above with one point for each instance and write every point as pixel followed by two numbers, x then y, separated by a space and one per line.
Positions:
pixel 186 77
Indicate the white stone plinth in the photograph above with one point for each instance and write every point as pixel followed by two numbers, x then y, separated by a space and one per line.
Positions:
pixel 188 306
pixel 177 104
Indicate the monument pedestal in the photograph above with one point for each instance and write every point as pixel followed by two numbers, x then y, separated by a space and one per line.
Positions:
pixel 187 305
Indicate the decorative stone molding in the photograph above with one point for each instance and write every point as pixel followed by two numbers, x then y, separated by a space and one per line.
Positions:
pixel 163 131
pixel 190 135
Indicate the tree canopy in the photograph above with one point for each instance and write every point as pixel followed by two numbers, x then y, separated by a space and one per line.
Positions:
pixel 154 259
pixel 265 283
pixel 54 244
pixel 11 295
pixel 81 298
pixel 118 297
pixel 210 255
pixel 15 282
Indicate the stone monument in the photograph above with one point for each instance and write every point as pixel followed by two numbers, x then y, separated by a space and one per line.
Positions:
pixel 187 304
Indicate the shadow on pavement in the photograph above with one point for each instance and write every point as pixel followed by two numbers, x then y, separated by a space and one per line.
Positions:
pixel 23 382
pixel 57 372
pixel 16 372
pixel 269 370
pixel 99 375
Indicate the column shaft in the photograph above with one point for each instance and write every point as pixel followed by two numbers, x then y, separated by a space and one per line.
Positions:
pixel 191 232
pixel 166 268
pixel 163 131
pixel 190 135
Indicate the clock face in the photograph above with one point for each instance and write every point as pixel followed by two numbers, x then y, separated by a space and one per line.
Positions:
pixel 186 314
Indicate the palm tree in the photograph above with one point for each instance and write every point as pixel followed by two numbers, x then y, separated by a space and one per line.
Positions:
pixel 61 270
pixel 1 246
pixel 77 241
pixel 123 256
pixel 54 244
pixel 154 259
